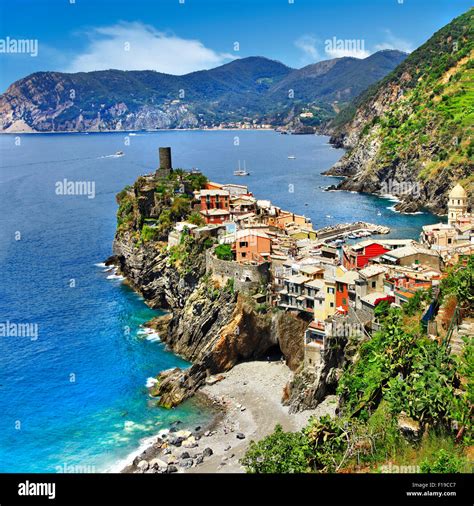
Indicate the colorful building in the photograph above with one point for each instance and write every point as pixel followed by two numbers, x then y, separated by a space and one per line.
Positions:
pixel 252 246
pixel 358 255
pixel 215 205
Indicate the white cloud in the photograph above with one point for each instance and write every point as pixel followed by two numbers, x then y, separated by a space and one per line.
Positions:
pixel 136 46
pixel 307 44
pixel 393 42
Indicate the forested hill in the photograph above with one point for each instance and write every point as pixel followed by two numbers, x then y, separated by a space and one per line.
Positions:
pixel 246 89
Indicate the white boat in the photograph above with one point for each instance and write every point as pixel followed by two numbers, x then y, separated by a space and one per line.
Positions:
pixel 292 157
pixel 241 172
pixel 119 153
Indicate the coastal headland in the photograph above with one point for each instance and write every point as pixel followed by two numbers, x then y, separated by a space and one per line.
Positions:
pixel 268 310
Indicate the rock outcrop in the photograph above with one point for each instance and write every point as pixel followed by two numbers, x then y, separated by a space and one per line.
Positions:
pixel 209 323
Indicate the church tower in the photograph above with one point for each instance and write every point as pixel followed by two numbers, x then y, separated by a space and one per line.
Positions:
pixel 457 203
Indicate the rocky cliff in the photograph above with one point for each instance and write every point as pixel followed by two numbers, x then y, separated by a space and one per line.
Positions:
pixel 411 135
pixel 211 325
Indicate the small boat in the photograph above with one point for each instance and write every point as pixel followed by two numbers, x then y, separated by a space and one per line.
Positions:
pixel 291 157
pixel 241 172
pixel 119 153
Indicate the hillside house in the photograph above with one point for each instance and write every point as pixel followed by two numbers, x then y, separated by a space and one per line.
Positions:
pixel 215 205
pixel 252 246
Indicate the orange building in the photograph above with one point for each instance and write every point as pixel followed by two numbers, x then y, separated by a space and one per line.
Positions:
pixel 252 246
pixel 215 205
pixel 342 296
pixel 212 186
pixel 283 218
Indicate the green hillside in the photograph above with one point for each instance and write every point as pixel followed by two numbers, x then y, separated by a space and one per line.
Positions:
pixel 420 117
pixel 252 88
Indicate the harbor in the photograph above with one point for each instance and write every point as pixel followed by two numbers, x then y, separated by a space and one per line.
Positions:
pixel 342 231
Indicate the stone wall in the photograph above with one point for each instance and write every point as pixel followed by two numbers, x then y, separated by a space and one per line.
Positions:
pixel 246 277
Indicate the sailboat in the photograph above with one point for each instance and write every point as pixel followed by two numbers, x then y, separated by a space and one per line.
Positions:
pixel 241 172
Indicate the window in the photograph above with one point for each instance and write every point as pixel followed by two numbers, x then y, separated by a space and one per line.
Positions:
pixel 331 304
pixel 344 301
pixel 244 255
pixel 450 241
pixel 374 284
pixel 243 244
pixel 330 290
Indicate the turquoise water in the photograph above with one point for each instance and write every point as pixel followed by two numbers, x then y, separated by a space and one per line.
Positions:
pixel 76 396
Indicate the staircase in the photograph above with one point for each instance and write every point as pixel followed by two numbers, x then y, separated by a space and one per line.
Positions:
pixel 465 329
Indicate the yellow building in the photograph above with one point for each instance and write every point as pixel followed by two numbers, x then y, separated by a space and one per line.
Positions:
pixel 327 303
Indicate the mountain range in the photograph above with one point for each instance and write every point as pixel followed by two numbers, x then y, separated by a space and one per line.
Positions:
pixel 248 89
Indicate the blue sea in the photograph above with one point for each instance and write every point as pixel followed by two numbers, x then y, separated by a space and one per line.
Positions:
pixel 75 395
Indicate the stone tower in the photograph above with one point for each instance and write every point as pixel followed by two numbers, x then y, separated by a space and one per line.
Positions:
pixel 457 203
pixel 165 167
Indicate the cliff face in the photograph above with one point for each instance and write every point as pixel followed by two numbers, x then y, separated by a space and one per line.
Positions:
pixel 210 325
pixel 54 102
pixel 148 271
pixel 411 135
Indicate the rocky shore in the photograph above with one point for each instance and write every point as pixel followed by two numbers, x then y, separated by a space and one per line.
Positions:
pixel 248 399
pixel 221 330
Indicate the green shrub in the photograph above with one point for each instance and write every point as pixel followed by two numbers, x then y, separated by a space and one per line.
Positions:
pixel 280 452
pixel 149 233
pixel 196 219
pixel 443 462
pixel 224 252
pixel 229 286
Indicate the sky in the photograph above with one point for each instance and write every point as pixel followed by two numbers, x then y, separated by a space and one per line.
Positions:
pixel 181 36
